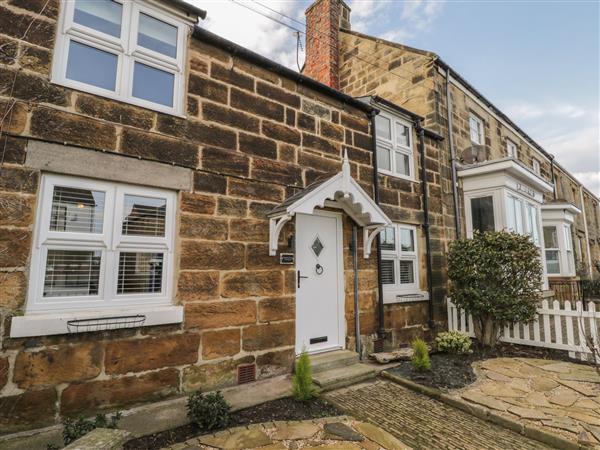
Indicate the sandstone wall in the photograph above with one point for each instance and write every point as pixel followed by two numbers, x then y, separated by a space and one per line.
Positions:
pixel 252 139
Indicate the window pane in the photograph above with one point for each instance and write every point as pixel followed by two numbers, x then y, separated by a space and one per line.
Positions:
pixel 552 263
pixel 77 210
pixel 407 273
pixel 388 239
pixel 383 158
pixel 101 15
pixel 482 214
pixel 402 135
pixel 157 35
pixel 475 129
pixel 153 84
pixel 518 205
pixel 387 272
pixel 144 216
pixel 407 242
pixel 92 66
pixel 72 273
pixel 550 237
pixel 140 273
pixel 383 127
pixel 567 231
pixel 402 164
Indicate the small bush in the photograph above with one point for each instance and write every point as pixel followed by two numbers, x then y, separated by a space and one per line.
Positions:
pixel 208 411
pixel 74 429
pixel 420 358
pixel 455 342
pixel 302 385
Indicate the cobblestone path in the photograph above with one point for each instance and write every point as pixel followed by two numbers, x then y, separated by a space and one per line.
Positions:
pixel 424 423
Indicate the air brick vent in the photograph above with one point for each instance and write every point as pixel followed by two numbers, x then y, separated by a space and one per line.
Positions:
pixel 246 373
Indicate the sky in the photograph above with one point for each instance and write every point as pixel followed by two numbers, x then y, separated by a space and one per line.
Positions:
pixel 538 61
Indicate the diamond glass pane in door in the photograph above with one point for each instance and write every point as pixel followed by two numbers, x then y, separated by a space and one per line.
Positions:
pixel 100 15
pixel 140 273
pixel 72 273
pixel 407 273
pixel 317 246
pixel 77 210
pixel 144 216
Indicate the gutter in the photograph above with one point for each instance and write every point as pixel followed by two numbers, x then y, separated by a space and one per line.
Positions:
pixel 380 308
pixel 237 50
pixel 452 155
pixel 425 190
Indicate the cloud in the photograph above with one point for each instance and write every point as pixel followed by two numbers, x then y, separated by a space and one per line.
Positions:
pixel 591 180
pixel 421 13
pixel 521 110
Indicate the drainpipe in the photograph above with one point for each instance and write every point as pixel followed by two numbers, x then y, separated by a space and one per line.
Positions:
pixel 452 156
pixel 425 190
pixel 552 175
pixel 356 311
pixel 380 318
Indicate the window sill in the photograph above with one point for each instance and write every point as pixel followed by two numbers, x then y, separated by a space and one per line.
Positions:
pixel 390 298
pixel 46 324
pixel 396 175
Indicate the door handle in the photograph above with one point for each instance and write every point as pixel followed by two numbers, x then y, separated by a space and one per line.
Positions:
pixel 300 276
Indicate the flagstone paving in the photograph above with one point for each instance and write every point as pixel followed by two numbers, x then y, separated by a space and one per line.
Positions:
pixel 424 423
pixel 333 433
pixel 559 397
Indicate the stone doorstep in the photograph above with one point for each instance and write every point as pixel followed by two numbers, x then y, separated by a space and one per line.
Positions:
pixel 159 416
pixel 482 413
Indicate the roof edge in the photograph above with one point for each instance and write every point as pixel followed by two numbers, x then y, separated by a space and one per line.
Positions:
pixel 266 63
pixel 188 8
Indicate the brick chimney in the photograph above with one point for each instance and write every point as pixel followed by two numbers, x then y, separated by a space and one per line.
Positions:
pixel 323 19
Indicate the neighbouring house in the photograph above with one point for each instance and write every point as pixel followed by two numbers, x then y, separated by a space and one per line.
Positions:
pixel 179 213
pixel 491 174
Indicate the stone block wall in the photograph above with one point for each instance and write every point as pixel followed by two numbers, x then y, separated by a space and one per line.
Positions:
pixel 252 138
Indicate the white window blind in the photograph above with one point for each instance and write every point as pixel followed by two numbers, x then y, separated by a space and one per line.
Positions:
pixel 101 245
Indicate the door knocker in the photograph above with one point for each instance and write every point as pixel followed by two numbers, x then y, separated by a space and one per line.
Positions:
pixel 319 269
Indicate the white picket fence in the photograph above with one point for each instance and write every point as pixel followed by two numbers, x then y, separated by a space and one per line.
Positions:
pixel 561 328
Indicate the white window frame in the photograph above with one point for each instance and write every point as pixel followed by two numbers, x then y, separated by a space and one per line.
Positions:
pixel 110 242
pixel 127 51
pixel 535 165
pixel 557 249
pixel 480 131
pixel 511 149
pixel 394 147
pixel 392 293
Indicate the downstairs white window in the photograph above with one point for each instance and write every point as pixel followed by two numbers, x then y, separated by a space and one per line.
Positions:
pixel 125 50
pixel 399 264
pixel 101 246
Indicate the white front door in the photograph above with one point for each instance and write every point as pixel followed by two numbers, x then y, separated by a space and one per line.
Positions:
pixel 319 282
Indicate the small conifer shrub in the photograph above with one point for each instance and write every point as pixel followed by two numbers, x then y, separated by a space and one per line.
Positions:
pixel 420 358
pixel 302 385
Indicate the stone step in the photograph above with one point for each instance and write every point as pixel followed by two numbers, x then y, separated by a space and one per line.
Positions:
pixel 343 376
pixel 332 360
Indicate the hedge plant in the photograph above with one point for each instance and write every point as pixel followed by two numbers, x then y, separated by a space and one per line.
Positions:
pixel 496 277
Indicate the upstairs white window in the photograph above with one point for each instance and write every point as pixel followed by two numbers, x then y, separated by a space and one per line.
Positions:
pixel 101 246
pixel 476 130
pixel 535 164
pixel 399 259
pixel 394 146
pixel 511 149
pixel 124 50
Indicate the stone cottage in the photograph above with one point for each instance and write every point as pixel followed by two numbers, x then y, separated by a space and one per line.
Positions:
pixel 490 174
pixel 179 213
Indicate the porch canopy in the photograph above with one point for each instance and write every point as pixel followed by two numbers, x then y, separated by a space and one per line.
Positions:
pixel 340 191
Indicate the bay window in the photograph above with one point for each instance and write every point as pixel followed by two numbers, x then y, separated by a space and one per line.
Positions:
pixel 394 146
pixel 124 50
pixel 482 214
pixel 399 264
pixel 558 218
pixel 101 246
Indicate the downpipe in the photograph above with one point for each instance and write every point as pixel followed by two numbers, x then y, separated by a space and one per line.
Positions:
pixel 356 310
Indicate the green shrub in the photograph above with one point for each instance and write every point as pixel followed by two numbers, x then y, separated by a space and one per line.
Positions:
pixel 420 358
pixel 302 385
pixel 455 342
pixel 496 277
pixel 74 429
pixel 208 411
